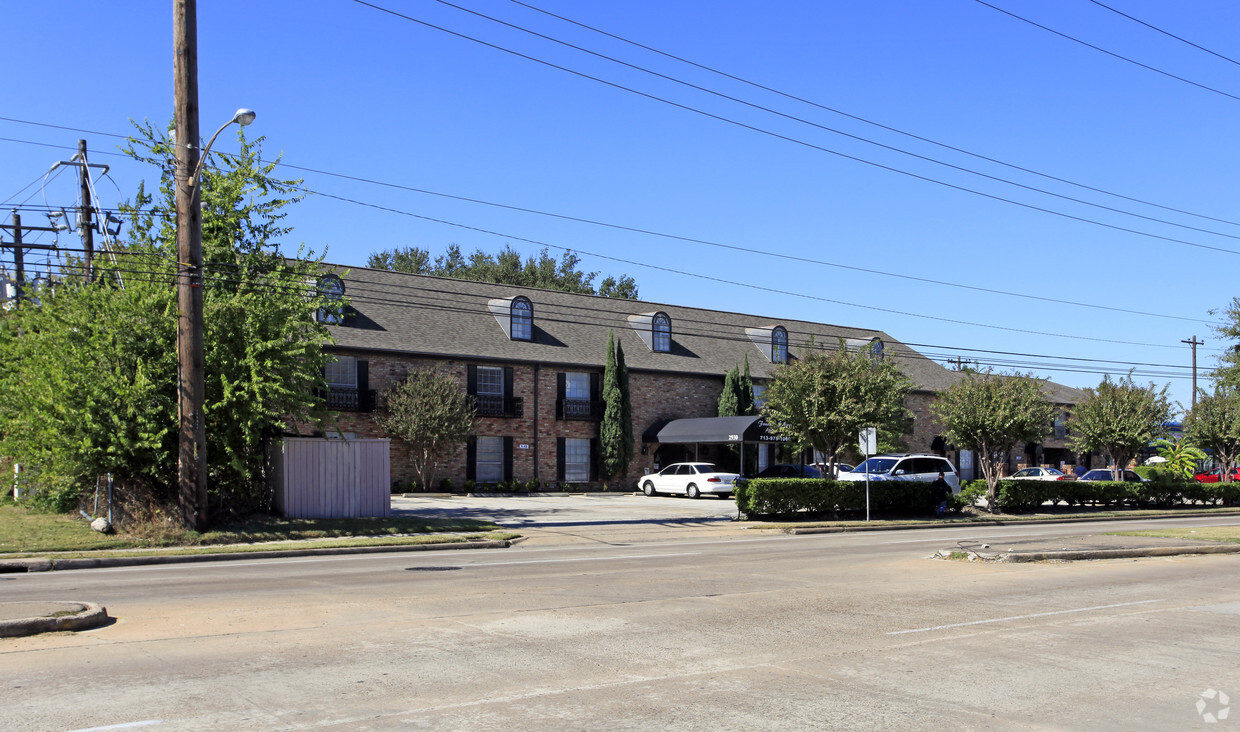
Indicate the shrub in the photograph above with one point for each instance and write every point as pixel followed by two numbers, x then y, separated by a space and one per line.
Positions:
pixel 788 496
pixel 446 485
pixel 469 486
pixel 531 486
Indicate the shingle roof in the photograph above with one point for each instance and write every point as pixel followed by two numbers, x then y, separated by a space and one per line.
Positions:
pixel 434 316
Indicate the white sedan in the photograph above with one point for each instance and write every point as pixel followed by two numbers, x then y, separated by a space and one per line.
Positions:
pixel 690 479
pixel 1038 474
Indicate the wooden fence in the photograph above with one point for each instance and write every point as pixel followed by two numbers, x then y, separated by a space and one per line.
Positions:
pixel 324 478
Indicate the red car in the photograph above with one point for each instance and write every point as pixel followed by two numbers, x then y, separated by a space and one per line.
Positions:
pixel 1215 476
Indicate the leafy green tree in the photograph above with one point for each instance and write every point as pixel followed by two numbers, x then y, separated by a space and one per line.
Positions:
pixel 88 381
pixel 1215 425
pixel 430 413
pixel 616 429
pixel 746 404
pixel 990 414
pixel 507 268
pixel 1180 456
pixel 823 400
pixel 1119 418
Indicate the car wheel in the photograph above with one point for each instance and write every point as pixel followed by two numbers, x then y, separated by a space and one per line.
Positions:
pixel 693 491
pixel 648 488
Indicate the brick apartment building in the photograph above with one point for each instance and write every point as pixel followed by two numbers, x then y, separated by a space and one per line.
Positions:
pixel 533 359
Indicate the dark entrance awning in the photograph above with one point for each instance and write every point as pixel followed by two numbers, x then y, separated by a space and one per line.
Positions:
pixel 710 430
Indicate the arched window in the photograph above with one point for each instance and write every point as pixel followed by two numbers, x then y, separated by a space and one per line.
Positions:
pixel 522 319
pixel 661 330
pixel 779 344
pixel 876 349
pixel 331 289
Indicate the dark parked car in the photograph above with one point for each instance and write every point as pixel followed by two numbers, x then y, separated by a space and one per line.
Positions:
pixel 790 471
pixel 1128 476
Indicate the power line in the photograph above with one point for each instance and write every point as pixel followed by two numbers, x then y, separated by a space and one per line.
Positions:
pixel 858 118
pixel 715 244
pixel 848 135
pixel 1165 33
pixel 1109 53
pixel 803 143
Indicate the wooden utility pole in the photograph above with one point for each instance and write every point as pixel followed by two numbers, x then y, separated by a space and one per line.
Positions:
pixel 1193 342
pixel 19 248
pixel 88 220
pixel 191 391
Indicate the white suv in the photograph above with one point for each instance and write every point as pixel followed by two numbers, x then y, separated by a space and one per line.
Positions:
pixel 906 467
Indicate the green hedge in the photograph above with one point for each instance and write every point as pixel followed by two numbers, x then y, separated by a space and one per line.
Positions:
pixel 1163 490
pixel 791 496
pixel 788 496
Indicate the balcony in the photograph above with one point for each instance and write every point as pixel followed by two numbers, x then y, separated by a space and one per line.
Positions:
pixel 579 409
pixel 345 399
pixel 490 405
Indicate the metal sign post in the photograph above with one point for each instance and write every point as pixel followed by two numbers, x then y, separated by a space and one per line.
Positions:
pixel 867 439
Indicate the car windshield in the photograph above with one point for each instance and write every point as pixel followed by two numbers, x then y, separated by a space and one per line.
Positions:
pixel 704 467
pixel 1097 475
pixel 1052 471
pixel 876 465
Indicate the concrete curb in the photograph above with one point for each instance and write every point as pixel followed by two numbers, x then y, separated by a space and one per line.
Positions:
pixel 995 522
pixel 45 565
pixel 82 616
pixel 1127 553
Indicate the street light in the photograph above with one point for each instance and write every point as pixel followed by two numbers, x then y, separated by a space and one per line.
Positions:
pixel 243 117
pixel 191 388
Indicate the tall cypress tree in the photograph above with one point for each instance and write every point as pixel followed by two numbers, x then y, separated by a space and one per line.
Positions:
pixel 745 401
pixel 729 398
pixel 626 411
pixel 610 430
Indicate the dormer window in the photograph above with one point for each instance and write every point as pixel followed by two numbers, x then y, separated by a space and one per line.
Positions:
pixel 522 319
pixel 331 289
pixel 779 344
pixel 876 349
pixel 661 333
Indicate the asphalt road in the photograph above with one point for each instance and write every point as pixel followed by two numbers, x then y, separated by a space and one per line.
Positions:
pixel 706 631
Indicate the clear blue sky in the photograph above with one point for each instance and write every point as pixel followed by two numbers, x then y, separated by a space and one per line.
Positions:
pixel 345 88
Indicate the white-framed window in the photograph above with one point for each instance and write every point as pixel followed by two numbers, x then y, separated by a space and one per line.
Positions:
pixel 331 288
pixel 576 385
pixel 341 372
pixel 522 327
pixel 576 459
pixel 661 333
pixel 759 396
pixel 876 349
pixel 490 381
pixel 779 344
pixel 489 460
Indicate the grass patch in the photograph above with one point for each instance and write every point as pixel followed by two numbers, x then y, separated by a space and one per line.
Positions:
pixel 24 532
pixel 1204 533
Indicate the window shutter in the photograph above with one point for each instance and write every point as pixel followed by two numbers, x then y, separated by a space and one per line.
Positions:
pixel 508 382
pixel 471 379
pixel 561 392
pixel 596 387
pixel 559 458
pixel 594 458
pixel 508 458
pixel 363 386
pixel 471 457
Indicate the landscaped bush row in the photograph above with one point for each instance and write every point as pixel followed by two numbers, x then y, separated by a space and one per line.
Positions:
pixel 788 496
pixel 1162 490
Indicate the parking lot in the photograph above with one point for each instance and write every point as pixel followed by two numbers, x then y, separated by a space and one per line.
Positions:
pixel 569 509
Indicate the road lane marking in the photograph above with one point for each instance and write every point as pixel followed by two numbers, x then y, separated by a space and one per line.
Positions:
pixel 1022 617
pixel 123 725
pixel 581 559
